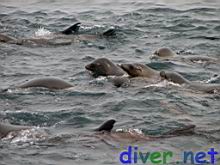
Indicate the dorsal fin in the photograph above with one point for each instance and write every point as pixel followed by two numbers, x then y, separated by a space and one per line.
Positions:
pixel 110 32
pixel 106 126
pixel 72 29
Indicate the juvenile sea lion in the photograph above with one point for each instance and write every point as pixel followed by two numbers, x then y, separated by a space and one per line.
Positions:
pixel 105 132
pixel 177 78
pixel 163 53
pixel 168 54
pixel 140 70
pixel 104 67
pixel 65 37
pixel 174 77
pixel 50 83
pixel 49 39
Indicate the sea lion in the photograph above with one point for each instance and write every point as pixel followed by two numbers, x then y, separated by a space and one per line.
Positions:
pixel 5 129
pixel 50 83
pixel 105 132
pixel 179 79
pixel 65 37
pixel 140 70
pixel 174 77
pixel 168 54
pixel 104 67
pixel 163 53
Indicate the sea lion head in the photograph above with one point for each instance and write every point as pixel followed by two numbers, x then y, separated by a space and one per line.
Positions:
pixel 174 77
pixel 4 38
pixel 104 67
pixel 138 70
pixel 163 53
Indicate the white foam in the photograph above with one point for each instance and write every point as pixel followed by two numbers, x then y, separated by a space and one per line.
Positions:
pixel 212 79
pixel 26 136
pixel 130 130
pixel 42 32
pixel 139 131
pixel 92 27
pixel 163 83
pixel 199 61
pixel 101 78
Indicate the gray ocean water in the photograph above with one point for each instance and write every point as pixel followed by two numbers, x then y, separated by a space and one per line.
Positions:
pixel 62 118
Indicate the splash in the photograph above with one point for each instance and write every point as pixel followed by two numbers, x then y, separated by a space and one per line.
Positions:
pixel 42 32
pixel 162 84
pixel 130 130
pixel 213 79
pixel 26 136
pixel 101 78
pixel 91 27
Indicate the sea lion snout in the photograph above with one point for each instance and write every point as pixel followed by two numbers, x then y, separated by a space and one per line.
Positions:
pixel 90 67
pixel 163 75
pixel 167 76
pixel 128 67
pixel 96 68
pixel 154 57
pixel 124 66
pixel 134 70
pixel 174 77
pixel 95 65
pixel 93 69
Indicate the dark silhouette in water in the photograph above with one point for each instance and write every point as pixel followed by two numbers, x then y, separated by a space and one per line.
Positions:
pixel 72 29
pixel 106 130
pixel 48 82
pixel 179 79
pixel 65 37
pixel 168 54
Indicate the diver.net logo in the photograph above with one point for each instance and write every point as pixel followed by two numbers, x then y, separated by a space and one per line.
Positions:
pixel 133 156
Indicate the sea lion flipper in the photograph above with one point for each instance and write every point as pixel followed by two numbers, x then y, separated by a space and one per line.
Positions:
pixel 72 29
pixel 106 126
pixel 110 32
